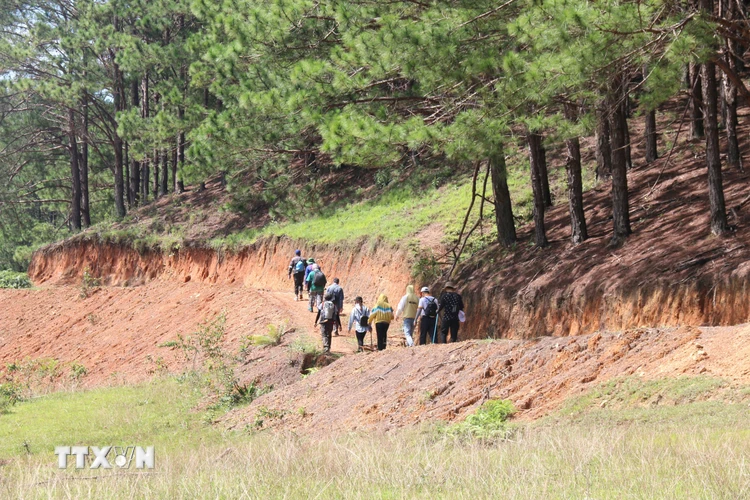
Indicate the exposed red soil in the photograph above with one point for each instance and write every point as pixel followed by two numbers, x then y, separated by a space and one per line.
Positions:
pixel 364 269
pixel 671 271
pixel 403 387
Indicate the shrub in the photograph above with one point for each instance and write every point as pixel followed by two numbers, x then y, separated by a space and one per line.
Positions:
pixel 77 371
pixel 88 283
pixel 10 394
pixel 490 421
pixel 272 338
pixel 11 279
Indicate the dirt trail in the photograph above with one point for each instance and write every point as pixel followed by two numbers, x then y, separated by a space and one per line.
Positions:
pixel 116 332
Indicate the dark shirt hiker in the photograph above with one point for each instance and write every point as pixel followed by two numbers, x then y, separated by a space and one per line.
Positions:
pixel 297 268
pixel 450 303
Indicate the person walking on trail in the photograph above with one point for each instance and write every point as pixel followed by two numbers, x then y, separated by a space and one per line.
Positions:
pixel 381 316
pixel 451 304
pixel 325 319
pixel 308 270
pixel 317 284
pixel 427 316
pixel 359 318
pixel 338 299
pixel 297 269
pixel 408 308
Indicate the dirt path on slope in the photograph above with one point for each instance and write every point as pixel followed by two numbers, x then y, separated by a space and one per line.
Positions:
pixel 118 333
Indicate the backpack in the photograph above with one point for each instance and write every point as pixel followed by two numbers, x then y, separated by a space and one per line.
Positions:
pixel 327 311
pixel 300 266
pixel 365 318
pixel 319 279
pixel 431 309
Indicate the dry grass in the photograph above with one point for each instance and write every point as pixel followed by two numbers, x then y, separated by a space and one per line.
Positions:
pixel 693 450
pixel 552 462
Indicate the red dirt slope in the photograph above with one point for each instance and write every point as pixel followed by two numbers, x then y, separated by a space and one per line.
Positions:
pixel 402 387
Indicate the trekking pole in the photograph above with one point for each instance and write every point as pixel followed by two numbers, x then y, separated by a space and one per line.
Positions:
pixel 434 333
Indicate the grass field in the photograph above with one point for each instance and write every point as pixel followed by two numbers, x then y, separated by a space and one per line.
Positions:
pixel 694 450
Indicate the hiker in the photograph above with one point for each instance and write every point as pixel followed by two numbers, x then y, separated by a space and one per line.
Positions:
pixel 325 318
pixel 381 315
pixel 297 268
pixel 427 316
pixel 308 270
pixel 451 304
pixel 316 285
pixel 359 317
pixel 408 307
pixel 338 299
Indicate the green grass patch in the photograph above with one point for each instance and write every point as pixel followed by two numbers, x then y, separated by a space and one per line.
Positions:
pixel 157 413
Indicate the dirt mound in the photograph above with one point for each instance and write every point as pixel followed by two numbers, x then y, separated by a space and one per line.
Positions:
pixel 403 387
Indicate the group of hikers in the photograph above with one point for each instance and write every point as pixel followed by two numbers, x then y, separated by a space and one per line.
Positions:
pixel 416 311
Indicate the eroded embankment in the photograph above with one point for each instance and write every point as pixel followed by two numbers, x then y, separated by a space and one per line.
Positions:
pixel 401 388
pixel 364 269
pixel 560 298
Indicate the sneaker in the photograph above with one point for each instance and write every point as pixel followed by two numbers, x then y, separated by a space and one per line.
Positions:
pixel 309 309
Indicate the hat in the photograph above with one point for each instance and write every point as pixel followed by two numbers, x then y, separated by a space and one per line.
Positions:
pixel 298 252
pixel 425 289
pixel 450 285
pixel 311 260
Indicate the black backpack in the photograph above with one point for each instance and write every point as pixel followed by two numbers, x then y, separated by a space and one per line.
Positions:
pixel 432 308
pixel 365 318
pixel 319 279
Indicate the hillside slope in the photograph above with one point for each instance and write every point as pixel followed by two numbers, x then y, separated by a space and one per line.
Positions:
pixel 405 387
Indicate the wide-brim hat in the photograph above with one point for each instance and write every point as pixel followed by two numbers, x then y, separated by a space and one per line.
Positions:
pixel 450 285
pixel 311 260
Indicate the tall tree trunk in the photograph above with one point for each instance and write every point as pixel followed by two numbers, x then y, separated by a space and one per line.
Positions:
pixel 180 162
pixel 544 174
pixel 696 97
pixel 603 147
pixel 126 174
pixel 135 166
pixel 620 207
pixel 144 116
pixel 117 144
pixel 174 166
pixel 506 229
pixel 157 157
pixel 650 136
pixel 534 142
pixel 713 159
pixel 75 174
pixel 164 171
pixel 578 230
pixel 734 156
pixel 84 166
pixel 626 130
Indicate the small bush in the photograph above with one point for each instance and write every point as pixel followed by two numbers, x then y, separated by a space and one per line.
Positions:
pixel 490 421
pixel 11 279
pixel 77 371
pixel 272 338
pixel 10 394
pixel 88 283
